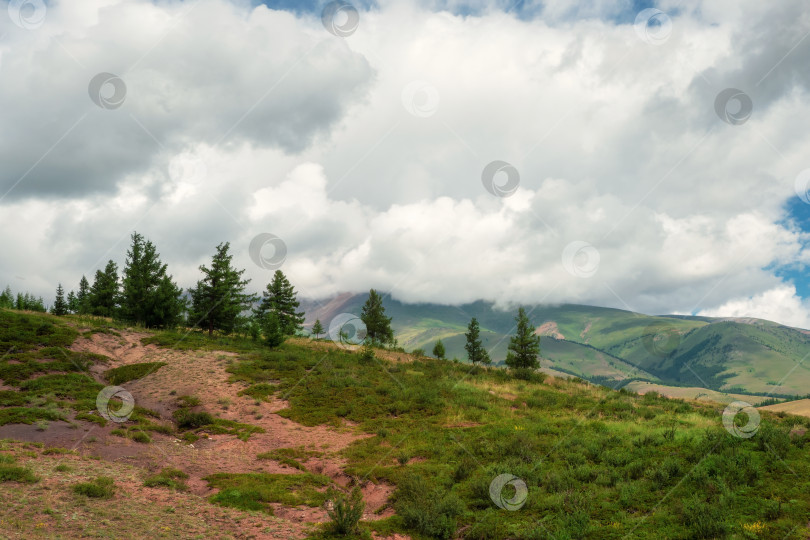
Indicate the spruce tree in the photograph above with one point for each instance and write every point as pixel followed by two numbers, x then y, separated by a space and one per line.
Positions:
pixel 317 328
pixel 60 307
pixel 72 302
pixel 103 297
pixel 149 296
pixel 280 298
pixel 475 349
pixel 219 297
pixel 378 326
pixel 83 297
pixel 438 350
pixel 7 298
pixel 273 330
pixel 524 346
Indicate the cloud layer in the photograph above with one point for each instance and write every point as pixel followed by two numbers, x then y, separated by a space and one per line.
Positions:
pixel 365 154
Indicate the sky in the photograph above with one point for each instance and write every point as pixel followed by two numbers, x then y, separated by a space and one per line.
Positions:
pixel 650 156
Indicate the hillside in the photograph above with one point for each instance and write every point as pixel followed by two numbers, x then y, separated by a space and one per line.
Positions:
pixel 612 346
pixel 230 438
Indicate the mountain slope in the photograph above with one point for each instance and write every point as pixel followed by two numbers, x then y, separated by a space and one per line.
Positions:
pixel 614 346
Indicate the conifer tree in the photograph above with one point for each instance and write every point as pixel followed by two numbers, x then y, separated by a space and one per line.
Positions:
pixel 524 346
pixel 280 298
pixel 60 307
pixel 7 298
pixel 104 293
pixel 438 350
pixel 475 349
pixel 83 297
pixel 72 302
pixel 149 296
pixel 220 296
pixel 378 326
pixel 272 329
pixel 317 328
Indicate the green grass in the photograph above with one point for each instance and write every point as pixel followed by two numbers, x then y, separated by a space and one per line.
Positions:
pixel 252 491
pixel 593 459
pixel 131 372
pixel 102 487
pixel 13 473
pixel 168 477
pixel 51 379
pixel 292 457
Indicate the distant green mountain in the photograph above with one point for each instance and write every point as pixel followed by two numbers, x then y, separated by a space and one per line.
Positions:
pixel 613 346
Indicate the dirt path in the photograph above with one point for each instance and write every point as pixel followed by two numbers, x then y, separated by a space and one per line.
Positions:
pixel 203 374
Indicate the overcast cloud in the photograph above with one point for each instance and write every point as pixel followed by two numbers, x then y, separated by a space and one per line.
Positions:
pixel 365 153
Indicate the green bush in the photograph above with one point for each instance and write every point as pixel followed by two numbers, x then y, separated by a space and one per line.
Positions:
pixel 191 420
pixel 345 511
pixel 11 473
pixel 141 437
pixel 102 487
pixel 168 477
pixel 704 520
pixel 131 372
pixel 426 508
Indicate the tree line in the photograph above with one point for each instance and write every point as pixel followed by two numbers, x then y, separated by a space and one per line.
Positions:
pixel 145 294
pixel 22 301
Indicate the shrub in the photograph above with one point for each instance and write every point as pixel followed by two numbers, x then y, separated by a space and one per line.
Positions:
pixel 426 508
pixel 190 420
pixel 704 520
pixel 168 477
pixel 102 487
pixel 141 437
pixel 345 511
pixel 528 374
pixel 11 473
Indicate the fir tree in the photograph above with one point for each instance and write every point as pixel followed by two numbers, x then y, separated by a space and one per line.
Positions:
pixel 280 298
pixel 72 302
pixel 317 328
pixel 475 349
pixel 378 326
pixel 438 350
pixel 273 329
pixel 60 307
pixel 524 346
pixel 219 297
pixel 103 297
pixel 83 297
pixel 7 298
pixel 149 296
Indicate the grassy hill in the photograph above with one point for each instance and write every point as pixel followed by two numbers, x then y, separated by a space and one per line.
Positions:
pixel 612 346
pixel 230 438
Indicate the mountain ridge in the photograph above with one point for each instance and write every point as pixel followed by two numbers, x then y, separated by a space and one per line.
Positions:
pixel 611 346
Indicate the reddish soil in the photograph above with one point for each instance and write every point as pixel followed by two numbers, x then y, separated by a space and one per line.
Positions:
pixel 203 374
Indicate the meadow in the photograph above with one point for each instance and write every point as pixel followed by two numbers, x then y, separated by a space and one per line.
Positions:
pixel 596 463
